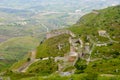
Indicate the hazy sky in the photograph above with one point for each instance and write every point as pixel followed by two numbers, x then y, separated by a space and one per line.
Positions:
pixel 57 4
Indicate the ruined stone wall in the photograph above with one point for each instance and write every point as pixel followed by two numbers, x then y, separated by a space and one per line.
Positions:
pixel 58 32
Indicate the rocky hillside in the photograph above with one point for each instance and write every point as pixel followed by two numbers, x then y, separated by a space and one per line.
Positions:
pixel 99 31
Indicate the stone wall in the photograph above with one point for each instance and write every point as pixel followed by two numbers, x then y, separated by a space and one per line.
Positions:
pixel 58 32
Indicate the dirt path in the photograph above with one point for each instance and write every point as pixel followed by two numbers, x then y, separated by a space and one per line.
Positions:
pixel 108 75
pixel 89 58
pixel 26 66
pixel 32 60
pixel 111 40
pixel 81 42
pixel 47 29
pixel 1 78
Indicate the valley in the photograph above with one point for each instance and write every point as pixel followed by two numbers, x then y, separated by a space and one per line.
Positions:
pixel 59 40
pixel 76 52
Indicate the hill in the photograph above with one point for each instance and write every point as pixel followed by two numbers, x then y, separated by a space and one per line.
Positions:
pixel 15 48
pixel 92 54
pixel 104 47
pixel 50 47
pixel 18 20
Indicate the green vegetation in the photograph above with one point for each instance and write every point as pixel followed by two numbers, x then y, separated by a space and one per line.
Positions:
pixel 80 66
pixel 17 76
pixel 57 77
pixel 43 67
pixel 110 51
pixel 100 63
pixel 5 64
pixel 105 59
pixel 105 66
pixel 90 76
pixel 20 62
pixel 49 48
pixel 15 49
pixel 106 19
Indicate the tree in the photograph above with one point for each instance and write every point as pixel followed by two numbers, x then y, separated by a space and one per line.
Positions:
pixel 80 66
pixel 28 59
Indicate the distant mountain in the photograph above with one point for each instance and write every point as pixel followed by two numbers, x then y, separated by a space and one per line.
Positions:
pixel 53 5
pixel 18 12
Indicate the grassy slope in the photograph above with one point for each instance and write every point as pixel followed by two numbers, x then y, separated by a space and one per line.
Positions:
pixel 74 77
pixel 38 68
pixel 20 62
pixel 107 19
pixel 49 47
pixel 15 49
pixel 105 66
pixel 43 67
pixel 17 46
